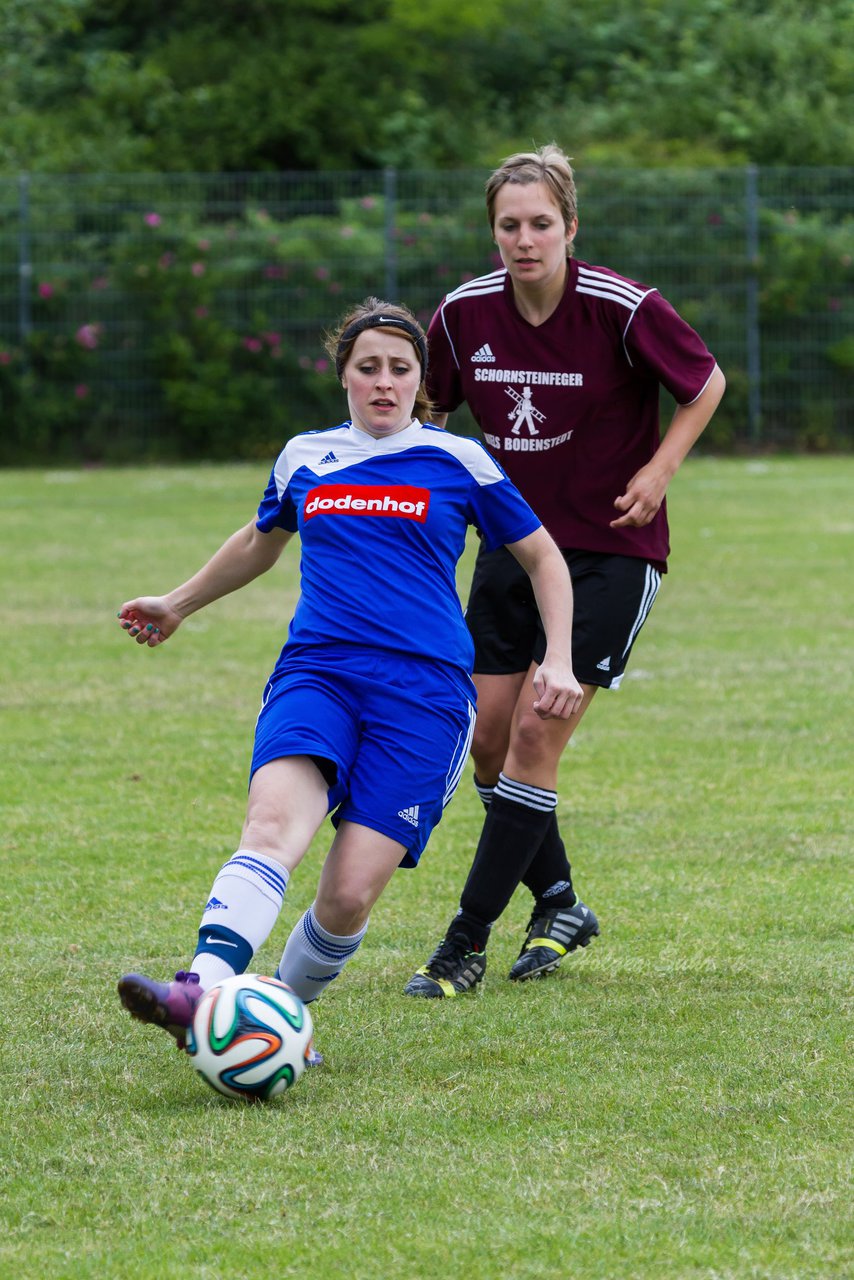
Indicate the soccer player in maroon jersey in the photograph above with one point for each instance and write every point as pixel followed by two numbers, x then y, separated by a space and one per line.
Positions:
pixel 560 363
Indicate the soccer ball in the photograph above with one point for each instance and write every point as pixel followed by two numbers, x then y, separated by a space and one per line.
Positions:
pixel 250 1037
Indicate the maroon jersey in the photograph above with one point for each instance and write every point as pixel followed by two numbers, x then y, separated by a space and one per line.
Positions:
pixel 570 407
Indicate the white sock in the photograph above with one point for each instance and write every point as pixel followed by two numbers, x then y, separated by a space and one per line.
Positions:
pixel 313 957
pixel 243 906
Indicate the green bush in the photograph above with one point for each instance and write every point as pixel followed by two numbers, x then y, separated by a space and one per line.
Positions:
pixel 192 326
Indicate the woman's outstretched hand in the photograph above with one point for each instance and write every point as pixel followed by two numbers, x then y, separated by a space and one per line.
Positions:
pixel 149 620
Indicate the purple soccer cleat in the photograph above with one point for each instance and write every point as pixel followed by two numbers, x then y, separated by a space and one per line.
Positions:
pixel 169 1005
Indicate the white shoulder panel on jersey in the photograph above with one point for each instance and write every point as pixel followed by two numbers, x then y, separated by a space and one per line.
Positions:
pixel 324 452
pixel 611 288
pixel 492 283
pixel 469 452
pixel 321 451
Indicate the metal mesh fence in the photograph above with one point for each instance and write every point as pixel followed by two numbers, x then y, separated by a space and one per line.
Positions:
pixel 157 315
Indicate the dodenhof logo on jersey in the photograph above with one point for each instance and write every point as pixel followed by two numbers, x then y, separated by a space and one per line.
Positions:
pixel 401 500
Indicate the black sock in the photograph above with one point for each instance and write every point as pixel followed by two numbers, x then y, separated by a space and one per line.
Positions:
pixel 485 790
pixel 475 929
pixel 513 831
pixel 549 876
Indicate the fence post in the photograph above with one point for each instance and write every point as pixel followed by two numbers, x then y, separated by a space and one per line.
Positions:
pixel 25 266
pixel 390 192
pixel 754 353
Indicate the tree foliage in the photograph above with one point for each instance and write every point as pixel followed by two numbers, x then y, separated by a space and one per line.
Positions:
pixel 140 85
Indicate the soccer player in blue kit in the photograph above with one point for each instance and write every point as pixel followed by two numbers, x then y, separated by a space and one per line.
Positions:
pixel 369 712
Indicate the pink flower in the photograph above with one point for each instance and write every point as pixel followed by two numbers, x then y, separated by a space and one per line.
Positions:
pixel 833 304
pixel 201 313
pixel 273 273
pixel 253 344
pixel 321 365
pixel 153 219
pixel 368 202
pixel 165 261
pixel 714 219
pixel 81 391
pixel 272 339
pixel 204 245
pixel 198 268
pixel 88 335
pixel 334 287
pixel 5 358
pixel 45 290
pixel 321 273
pixel 100 282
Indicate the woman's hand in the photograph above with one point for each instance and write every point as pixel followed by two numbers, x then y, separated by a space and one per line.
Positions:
pixel 642 499
pixel 559 695
pixel 149 619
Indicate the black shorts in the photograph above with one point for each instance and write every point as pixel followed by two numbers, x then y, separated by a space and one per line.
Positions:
pixel 612 599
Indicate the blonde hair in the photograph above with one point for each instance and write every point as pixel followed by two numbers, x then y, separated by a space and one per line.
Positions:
pixel 373 313
pixel 548 165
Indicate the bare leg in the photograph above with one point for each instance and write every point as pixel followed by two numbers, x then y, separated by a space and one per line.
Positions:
pixel 287 804
pixel 357 869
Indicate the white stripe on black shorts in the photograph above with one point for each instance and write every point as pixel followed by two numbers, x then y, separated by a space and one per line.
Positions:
pixel 612 598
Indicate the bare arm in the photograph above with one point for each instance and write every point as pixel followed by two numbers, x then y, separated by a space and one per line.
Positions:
pixel 559 693
pixel 244 556
pixel 647 487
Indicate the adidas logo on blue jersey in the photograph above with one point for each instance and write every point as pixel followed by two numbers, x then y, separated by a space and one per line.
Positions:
pixel 409 815
pixel 330 457
pixel 483 355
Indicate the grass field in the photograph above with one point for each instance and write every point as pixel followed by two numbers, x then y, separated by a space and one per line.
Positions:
pixel 676 1102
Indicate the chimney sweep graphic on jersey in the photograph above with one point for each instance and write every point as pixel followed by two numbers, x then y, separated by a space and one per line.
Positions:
pixel 524 411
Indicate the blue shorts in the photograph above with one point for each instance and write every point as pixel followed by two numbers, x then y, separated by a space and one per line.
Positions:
pixel 397 730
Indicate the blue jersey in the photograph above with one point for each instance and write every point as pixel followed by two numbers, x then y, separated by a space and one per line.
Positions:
pixel 382 524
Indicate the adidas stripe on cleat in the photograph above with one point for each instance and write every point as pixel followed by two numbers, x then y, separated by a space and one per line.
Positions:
pixel 454 968
pixel 552 934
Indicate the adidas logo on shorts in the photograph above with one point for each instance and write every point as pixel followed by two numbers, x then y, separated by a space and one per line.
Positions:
pixel 483 355
pixel 409 815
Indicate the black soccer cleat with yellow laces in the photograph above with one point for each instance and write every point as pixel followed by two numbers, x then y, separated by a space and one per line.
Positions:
pixel 552 934
pixel 454 967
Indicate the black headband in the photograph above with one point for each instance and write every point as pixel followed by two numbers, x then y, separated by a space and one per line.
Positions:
pixel 382 322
